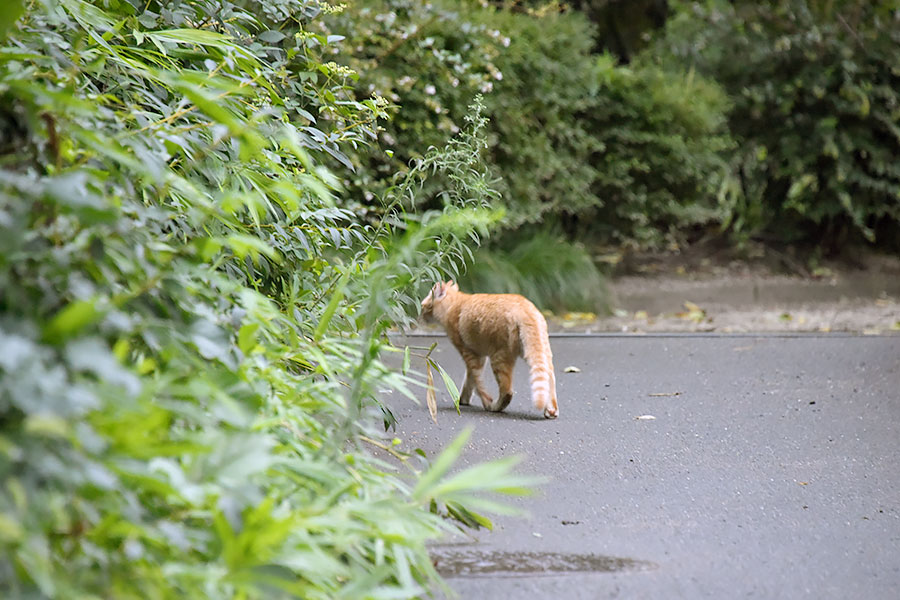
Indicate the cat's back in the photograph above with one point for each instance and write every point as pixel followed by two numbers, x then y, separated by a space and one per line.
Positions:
pixel 488 322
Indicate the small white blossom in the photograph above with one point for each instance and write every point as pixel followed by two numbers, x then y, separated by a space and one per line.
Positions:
pixel 430 90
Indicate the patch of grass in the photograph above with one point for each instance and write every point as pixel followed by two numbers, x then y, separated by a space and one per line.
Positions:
pixel 552 272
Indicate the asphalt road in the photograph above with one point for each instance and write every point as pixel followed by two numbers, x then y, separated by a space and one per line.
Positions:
pixel 771 470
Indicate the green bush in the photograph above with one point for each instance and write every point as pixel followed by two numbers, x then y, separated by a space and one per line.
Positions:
pixel 191 329
pixel 662 162
pixel 816 96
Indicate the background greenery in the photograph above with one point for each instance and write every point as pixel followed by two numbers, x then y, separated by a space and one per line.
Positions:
pixel 212 212
pixel 816 109
pixel 768 121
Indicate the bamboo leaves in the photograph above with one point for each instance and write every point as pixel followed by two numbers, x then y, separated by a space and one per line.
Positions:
pixel 190 325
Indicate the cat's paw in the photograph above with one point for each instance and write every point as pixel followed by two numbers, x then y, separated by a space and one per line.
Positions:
pixel 502 403
pixel 551 412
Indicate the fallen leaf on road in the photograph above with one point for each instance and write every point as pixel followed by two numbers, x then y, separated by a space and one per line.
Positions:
pixel 694 313
pixel 571 369
pixel 659 394
pixel 641 314
pixel 536 534
pixel 802 483
pixel 580 316
pixel 645 418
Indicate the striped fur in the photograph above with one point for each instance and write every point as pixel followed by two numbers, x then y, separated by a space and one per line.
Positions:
pixel 501 327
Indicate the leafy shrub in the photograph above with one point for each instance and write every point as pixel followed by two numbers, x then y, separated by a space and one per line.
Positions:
pixel 663 137
pixel 191 329
pixel 816 107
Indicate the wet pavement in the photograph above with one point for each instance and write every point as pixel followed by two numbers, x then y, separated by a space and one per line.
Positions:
pixel 688 466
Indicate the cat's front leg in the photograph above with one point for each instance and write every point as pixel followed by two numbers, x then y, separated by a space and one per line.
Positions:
pixel 474 368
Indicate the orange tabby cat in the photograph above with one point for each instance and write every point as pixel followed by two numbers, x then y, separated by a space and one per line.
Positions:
pixel 502 327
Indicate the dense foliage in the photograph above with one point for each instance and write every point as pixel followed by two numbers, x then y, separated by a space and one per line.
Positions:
pixel 816 107
pixel 774 120
pixel 662 159
pixel 192 328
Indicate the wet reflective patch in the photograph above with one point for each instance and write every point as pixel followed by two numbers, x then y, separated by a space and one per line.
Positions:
pixel 482 563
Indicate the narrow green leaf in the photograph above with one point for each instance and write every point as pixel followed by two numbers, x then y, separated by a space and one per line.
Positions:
pixel 405 368
pixel 451 387
pixel 442 464
pixel 244 245
pixel 468 517
pixel 72 319
pixel 336 298
pixel 47 425
pixel 10 529
pixel 272 36
pixel 430 398
pixel 247 337
pixel 89 15
pixel 201 37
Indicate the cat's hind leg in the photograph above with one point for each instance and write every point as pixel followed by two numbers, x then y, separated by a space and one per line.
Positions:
pixel 502 365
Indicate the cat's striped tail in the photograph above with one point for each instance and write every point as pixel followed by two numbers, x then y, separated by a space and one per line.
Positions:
pixel 536 350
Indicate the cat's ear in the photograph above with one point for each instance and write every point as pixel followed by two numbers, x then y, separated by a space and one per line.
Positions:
pixel 439 291
pixel 452 285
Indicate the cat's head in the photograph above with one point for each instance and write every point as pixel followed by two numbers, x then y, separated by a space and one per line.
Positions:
pixel 436 296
